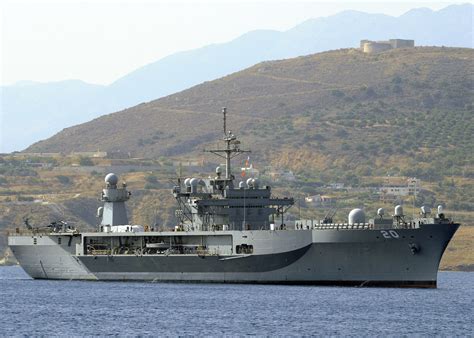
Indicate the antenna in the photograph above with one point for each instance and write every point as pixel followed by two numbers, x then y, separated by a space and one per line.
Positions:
pixel 224 112
pixel 231 150
pixel 180 172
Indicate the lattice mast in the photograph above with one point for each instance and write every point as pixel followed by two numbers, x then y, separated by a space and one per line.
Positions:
pixel 231 150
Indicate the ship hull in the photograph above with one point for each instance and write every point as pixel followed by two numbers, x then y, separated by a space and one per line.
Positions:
pixel 402 258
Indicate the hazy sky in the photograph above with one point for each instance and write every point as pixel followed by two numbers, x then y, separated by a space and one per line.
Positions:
pixel 99 41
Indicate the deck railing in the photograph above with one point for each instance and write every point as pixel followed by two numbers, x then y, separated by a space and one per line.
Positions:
pixel 331 226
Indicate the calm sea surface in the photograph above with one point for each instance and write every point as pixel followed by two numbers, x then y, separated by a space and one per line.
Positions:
pixel 36 307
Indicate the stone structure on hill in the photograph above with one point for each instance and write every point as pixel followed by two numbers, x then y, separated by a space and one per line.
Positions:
pixel 368 46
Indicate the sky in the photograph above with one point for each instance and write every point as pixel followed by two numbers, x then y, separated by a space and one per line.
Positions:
pixel 98 41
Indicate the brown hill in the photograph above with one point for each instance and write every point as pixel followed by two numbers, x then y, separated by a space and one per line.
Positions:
pixel 329 110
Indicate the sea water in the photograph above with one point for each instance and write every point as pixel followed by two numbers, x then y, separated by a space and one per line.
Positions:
pixel 43 307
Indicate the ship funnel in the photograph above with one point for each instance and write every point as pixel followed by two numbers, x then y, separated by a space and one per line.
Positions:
pixel 113 212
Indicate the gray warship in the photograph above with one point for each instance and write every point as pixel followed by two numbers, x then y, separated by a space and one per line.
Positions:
pixel 235 232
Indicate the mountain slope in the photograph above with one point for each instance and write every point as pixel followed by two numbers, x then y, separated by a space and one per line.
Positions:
pixel 451 26
pixel 336 110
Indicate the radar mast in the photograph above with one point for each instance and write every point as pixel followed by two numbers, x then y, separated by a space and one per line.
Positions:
pixel 231 150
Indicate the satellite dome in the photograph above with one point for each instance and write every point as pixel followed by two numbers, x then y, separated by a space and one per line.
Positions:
pixel 242 184
pixel 194 182
pixel 218 170
pixel 425 210
pixel 186 182
pixel 398 212
pixel 111 179
pixel 381 212
pixel 250 182
pixel 440 209
pixel 356 216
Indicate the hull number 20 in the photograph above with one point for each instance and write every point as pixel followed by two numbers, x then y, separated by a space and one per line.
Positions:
pixel 389 234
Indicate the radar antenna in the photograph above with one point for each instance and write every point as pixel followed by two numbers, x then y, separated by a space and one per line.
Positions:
pixel 231 150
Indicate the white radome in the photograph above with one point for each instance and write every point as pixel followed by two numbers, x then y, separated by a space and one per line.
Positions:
pixel 186 182
pixel 425 210
pixel 194 182
pixel 381 212
pixel 356 216
pixel 398 211
pixel 111 179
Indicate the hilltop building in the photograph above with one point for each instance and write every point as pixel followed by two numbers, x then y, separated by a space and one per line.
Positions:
pixel 392 190
pixel 336 186
pixel 320 200
pixel 197 163
pixel 370 47
pixel 94 154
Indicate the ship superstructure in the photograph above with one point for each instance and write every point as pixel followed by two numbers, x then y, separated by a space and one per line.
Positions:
pixel 217 204
pixel 235 233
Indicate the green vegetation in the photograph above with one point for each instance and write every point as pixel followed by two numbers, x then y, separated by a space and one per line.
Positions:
pixel 152 182
pixel 64 179
pixel 85 161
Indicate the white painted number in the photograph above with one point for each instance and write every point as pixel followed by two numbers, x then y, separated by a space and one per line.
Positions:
pixel 393 233
pixel 390 234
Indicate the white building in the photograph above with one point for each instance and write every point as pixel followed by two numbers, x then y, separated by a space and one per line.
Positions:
pixel 320 200
pixel 410 187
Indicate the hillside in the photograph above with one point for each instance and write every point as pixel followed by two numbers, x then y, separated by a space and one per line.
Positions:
pixel 71 102
pixel 387 111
